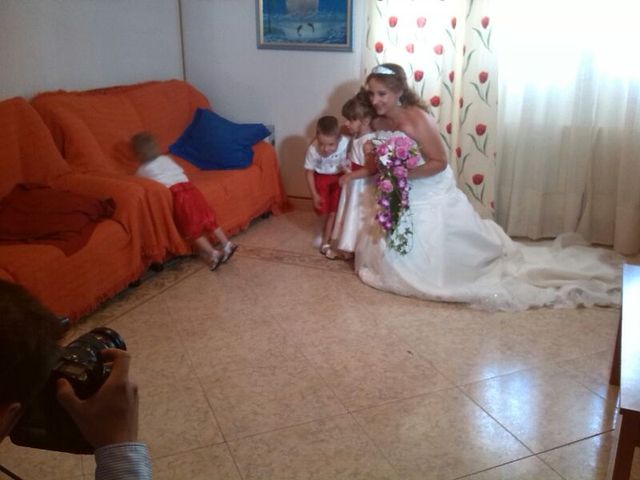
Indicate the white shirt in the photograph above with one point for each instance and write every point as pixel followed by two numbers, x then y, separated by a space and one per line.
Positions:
pixel 164 170
pixel 331 164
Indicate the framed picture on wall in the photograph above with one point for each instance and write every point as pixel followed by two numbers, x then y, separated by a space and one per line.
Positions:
pixel 305 24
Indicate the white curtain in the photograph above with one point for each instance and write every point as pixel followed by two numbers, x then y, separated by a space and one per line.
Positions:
pixel 568 147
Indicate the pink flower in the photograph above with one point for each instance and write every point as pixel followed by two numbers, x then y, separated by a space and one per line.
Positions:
pixel 400 172
pixel 410 47
pixel 448 128
pixel 418 75
pixel 402 141
pixel 460 102
pixel 485 22
pixel 452 75
pixel 379 46
pixel 412 162
pixel 481 128
pixel 477 179
pixel 458 152
pixel 482 76
pixel 454 22
pixel 393 21
pixel 386 186
pixel 438 49
pixel 493 205
pixel 435 101
pixel 402 152
pixel 421 21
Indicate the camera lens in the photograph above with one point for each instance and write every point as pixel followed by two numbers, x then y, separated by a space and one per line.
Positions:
pixel 99 339
pixel 81 363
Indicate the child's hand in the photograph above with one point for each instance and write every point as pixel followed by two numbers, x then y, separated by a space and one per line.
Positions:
pixel 317 202
pixel 344 179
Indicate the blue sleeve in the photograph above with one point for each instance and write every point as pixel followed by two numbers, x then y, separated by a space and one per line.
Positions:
pixel 123 461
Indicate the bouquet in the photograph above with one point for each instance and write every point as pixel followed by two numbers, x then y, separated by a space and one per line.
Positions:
pixel 396 155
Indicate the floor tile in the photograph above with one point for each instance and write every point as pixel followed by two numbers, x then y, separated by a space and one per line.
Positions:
pixel 33 463
pixel 269 397
pixel 442 435
pixel 584 460
pixel 530 468
pixel 593 372
pixel 249 342
pixel 543 407
pixel 330 449
pixel 363 366
pixel 176 418
pixel 207 463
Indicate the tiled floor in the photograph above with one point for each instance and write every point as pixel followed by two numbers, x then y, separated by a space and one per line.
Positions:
pixel 283 365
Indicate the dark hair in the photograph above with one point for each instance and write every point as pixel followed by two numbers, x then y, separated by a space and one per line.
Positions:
pixel 397 82
pixel 328 125
pixel 359 106
pixel 29 336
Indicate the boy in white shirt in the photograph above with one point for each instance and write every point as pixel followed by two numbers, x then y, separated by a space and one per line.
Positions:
pixel 325 162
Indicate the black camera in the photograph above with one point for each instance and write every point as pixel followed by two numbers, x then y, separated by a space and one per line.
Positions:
pixel 45 424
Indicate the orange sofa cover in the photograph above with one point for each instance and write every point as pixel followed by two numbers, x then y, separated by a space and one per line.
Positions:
pixel 74 285
pixel 92 130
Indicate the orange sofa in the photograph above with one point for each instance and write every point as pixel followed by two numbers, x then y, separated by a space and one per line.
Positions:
pixel 92 130
pixel 68 285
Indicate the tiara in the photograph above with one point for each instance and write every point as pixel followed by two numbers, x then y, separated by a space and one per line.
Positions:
pixel 382 70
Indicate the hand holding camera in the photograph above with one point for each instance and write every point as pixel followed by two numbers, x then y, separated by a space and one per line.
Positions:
pixel 88 400
pixel 111 414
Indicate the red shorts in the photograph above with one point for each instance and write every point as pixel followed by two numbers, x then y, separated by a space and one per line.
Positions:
pixel 328 188
pixel 191 212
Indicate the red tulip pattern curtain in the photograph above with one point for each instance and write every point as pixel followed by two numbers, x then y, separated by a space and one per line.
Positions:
pixel 446 50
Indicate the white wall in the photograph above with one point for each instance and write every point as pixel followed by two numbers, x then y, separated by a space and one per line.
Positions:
pixel 287 88
pixel 81 44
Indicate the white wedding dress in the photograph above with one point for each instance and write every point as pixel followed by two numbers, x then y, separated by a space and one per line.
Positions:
pixel 351 216
pixel 456 256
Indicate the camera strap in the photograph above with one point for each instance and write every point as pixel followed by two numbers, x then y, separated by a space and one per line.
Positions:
pixel 9 473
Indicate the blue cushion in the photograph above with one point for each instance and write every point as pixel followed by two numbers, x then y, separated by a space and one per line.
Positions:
pixel 211 142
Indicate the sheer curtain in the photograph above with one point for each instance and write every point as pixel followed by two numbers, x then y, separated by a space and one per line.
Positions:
pixel 569 120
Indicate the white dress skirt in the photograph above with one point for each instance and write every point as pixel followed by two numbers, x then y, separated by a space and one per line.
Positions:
pixel 456 256
pixel 353 209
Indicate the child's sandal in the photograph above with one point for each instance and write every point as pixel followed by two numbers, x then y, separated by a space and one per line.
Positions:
pixel 215 263
pixel 328 252
pixel 229 250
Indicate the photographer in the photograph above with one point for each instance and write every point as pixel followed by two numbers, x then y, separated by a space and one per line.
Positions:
pixel 108 420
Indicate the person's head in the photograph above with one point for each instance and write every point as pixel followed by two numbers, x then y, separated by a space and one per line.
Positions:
pixel 145 146
pixel 358 113
pixel 327 135
pixel 388 89
pixel 29 336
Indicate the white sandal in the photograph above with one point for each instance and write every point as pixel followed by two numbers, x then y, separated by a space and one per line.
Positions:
pixel 328 252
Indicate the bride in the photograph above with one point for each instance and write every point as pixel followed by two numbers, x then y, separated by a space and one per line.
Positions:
pixel 454 255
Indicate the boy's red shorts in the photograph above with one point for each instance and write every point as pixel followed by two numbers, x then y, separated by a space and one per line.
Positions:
pixel 328 188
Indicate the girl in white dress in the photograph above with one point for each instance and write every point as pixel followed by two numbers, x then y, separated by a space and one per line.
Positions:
pixel 357 185
pixel 457 256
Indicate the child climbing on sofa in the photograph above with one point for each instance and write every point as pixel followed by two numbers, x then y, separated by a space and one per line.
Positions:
pixel 192 214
